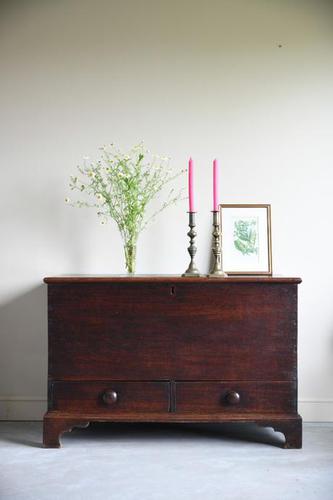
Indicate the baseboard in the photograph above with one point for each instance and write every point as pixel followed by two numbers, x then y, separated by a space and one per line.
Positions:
pixel 316 410
pixel 22 408
pixel 33 408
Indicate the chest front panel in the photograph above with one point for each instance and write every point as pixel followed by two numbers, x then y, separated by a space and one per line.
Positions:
pixel 172 331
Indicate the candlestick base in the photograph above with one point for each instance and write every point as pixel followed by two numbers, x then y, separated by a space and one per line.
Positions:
pixel 192 271
pixel 217 275
pixel 217 270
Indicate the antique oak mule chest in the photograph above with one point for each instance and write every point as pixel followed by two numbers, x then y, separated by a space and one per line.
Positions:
pixel 171 349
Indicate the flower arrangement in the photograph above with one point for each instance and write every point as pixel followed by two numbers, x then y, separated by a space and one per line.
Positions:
pixel 120 185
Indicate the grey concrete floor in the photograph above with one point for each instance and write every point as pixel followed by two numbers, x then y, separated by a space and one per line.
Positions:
pixel 157 462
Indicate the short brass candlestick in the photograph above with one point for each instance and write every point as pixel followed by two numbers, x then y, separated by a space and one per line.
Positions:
pixel 216 270
pixel 192 270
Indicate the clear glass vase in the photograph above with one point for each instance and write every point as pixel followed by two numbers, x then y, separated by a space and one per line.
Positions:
pixel 130 256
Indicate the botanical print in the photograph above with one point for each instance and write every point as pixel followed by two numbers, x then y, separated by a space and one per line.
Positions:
pixel 246 239
pixel 245 235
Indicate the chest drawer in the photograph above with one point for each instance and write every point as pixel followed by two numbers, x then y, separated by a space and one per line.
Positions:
pixel 234 397
pixel 111 397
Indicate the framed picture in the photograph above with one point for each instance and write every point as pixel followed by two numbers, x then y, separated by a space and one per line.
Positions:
pixel 246 239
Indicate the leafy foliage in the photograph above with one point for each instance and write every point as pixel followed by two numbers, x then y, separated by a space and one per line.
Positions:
pixel 121 185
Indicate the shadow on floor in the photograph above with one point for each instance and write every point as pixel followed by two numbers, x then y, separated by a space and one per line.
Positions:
pixel 248 432
pixel 123 432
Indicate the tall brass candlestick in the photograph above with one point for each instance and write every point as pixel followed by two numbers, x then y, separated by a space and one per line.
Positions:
pixel 192 270
pixel 216 270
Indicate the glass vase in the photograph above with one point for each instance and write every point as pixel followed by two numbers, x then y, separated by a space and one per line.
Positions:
pixel 130 256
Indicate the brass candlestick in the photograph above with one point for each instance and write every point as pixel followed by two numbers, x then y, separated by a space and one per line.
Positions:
pixel 192 270
pixel 216 270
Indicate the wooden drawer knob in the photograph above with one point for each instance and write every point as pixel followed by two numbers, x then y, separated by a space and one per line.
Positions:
pixel 110 397
pixel 232 398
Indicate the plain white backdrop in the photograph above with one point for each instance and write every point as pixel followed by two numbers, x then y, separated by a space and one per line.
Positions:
pixel 248 82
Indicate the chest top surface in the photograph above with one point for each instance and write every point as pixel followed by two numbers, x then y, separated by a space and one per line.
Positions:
pixel 169 278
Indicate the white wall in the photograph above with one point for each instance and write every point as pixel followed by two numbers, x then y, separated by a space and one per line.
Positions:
pixel 202 78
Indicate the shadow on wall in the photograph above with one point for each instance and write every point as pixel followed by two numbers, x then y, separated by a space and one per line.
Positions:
pixel 23 346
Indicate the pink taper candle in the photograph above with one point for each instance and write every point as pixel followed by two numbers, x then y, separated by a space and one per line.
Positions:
pixel 190 185
pixel 215 185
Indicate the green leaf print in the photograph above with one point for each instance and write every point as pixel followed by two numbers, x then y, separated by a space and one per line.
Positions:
pixel 245 236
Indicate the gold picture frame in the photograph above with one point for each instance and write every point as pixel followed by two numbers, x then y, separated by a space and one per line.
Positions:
pixel 246 239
